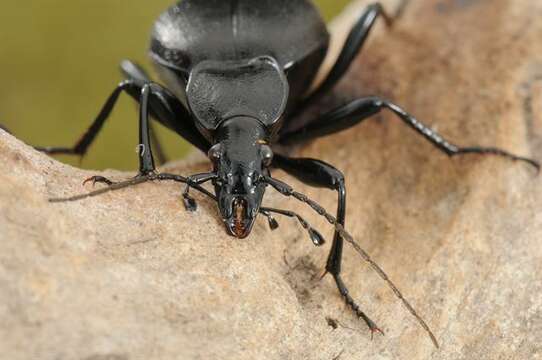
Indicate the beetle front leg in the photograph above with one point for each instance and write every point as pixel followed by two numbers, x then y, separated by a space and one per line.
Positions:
pixel 320 174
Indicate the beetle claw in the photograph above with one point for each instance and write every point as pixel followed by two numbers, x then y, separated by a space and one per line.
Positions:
pixel 324 273
pixel 374 330
pixel 98 179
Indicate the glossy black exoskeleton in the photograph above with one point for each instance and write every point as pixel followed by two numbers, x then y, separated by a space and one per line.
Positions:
pixel 237 75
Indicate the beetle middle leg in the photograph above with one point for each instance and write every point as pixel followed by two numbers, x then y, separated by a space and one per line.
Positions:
pixel 320 174
pixel 163 106
pixel 358 110
pixel 155 101
pixel 82 145
pixel 146 159
pixel 167 110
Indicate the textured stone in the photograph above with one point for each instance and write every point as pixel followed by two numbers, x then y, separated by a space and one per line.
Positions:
pixel 131 275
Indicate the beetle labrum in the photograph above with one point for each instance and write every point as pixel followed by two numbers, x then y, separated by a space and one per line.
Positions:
pixel 237 75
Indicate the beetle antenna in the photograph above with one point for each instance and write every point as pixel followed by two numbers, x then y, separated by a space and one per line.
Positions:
pixel 162 177
pixel 287 190
pixel 112 186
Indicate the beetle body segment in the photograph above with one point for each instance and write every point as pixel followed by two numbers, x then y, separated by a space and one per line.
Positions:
pixel 220 90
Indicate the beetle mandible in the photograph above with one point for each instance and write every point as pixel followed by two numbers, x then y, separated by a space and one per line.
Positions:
pixel 237 75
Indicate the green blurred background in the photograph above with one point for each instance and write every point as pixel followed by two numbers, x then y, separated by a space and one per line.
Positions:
pixel 59 62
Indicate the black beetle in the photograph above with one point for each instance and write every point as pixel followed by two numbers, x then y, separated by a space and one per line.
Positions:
pixel 238 74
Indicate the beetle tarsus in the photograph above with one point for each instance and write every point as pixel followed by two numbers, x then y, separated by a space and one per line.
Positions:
pixel 354 306
pixel 497 152
pixel 98 179
pixel 374 330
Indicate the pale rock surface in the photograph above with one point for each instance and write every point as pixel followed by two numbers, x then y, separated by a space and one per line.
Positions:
pixel 131 275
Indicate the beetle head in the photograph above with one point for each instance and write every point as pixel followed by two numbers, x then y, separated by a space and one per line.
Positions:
pixel 240 157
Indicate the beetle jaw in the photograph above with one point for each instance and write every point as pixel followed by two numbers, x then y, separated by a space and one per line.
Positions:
pixel 240 231
pixel 242 218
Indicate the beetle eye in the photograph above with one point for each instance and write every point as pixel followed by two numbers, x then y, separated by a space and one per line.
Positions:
pixel 215 152
pixel 267 155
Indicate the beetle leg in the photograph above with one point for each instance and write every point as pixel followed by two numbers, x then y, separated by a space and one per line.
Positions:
pixel 320 174
pixel 351 48
pixel 166 108
pixel 132 71
pixel 170 112
pixel 358 110
pixel 163 106
pixel 81 147
pixel 146 161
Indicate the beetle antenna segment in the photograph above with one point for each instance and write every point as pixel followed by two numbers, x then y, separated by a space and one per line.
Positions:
pixel 289 191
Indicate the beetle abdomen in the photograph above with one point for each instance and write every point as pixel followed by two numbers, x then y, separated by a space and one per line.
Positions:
pixel 193 31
